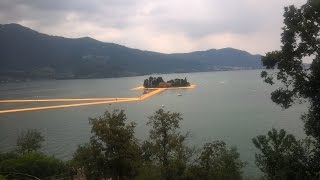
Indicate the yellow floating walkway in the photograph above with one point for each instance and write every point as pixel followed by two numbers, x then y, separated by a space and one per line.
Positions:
pixel 153 91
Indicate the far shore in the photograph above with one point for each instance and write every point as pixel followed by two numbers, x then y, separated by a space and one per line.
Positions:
pixel 17 80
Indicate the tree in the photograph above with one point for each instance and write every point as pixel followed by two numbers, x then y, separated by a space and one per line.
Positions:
pixel 216 161
pixel 151 81
pixel 29 141
pixel 113 150
pixel 166 145
pixel 159 80
pixel 32 163
pixel 146 83
pixel 300 39
pixel 26 161
pixel 281 156
pixel 91 160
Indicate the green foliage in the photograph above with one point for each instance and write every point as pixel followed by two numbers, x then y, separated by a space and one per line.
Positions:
pixel 27 161
pixel 65 58
pixel 281 156
pixel 29 141
pixel 300 38
pixel 33 163
pixel 91 159
pixel 166 145
pixel 112 151
pixel 216 161
pixel 153 82
pixel 179 82
pixel 9 155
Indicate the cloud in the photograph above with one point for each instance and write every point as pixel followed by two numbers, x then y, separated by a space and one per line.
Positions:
pixel 158 25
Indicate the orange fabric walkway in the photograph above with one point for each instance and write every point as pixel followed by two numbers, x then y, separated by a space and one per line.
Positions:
pixel 153 92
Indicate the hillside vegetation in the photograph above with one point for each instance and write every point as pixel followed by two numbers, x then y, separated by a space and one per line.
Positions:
pixel 27 54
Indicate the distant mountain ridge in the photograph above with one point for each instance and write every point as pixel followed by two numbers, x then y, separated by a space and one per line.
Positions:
pixel 28 54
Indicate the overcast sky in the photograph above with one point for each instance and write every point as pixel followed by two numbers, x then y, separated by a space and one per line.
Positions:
pixel 157 25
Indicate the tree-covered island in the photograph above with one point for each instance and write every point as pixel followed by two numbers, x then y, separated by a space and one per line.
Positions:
pixel 158 82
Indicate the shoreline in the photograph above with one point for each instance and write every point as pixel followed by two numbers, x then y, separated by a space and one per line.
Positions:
pixel 138 75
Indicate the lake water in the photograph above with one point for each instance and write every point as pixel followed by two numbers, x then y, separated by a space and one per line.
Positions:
pixel 233 106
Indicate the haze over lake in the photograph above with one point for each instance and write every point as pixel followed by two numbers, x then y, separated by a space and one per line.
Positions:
pixel 233 106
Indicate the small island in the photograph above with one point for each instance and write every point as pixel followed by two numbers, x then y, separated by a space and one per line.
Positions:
pixel 158 82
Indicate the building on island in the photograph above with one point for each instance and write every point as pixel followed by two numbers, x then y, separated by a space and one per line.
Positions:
pixel 164 85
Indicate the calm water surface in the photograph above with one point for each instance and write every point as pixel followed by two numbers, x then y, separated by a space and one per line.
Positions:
pixel 233 106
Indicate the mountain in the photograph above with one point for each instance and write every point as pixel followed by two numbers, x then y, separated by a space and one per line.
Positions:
pixel 28 54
